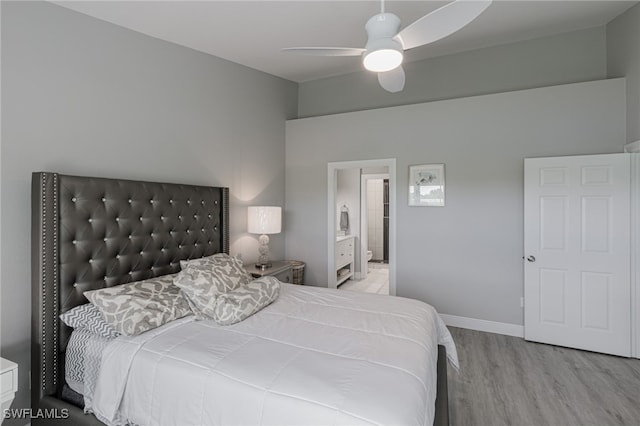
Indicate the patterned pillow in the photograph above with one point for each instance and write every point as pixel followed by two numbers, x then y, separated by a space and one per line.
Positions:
pixel 201 280
pixel 226 272
pixel 140 306
pixel 88 317
pixel 239 304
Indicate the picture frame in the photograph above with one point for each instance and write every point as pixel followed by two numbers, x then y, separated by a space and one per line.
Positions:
pixel 426 185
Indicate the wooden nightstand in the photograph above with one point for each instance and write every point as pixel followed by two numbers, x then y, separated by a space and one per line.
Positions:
pixel 279 269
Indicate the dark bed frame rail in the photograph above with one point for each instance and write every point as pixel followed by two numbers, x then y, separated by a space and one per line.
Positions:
pixel 442 396
pixel 89 233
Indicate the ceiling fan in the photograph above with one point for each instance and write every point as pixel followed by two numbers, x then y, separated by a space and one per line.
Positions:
pixel 386 43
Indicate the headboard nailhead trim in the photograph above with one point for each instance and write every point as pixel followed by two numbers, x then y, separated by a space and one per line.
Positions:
pixel 43 283
pixel 55 280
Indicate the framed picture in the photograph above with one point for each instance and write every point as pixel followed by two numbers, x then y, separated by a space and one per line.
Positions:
pixel 426 185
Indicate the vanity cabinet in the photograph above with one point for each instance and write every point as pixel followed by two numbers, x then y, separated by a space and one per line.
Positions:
pixel 344 258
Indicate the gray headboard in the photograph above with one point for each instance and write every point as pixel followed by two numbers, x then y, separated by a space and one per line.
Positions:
pixel 89 233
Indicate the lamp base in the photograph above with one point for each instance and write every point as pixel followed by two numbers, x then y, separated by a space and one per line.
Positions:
pixel 263 266
pixel 263 260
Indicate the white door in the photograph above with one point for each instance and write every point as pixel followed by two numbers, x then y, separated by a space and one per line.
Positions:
pixel 577 252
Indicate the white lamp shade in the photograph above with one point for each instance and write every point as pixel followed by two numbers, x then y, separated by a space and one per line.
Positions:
pixel 264 220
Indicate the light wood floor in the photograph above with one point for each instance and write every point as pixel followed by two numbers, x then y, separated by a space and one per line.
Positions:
pixel 506 380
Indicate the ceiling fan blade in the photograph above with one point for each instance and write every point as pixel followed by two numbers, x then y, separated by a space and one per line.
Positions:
pixel 441 22
pixel 392 81
pixel 325 51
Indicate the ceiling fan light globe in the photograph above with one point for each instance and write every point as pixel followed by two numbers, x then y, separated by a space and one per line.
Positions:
pixel 382 60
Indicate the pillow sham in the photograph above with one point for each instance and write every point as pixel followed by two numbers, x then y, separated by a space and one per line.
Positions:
pixel 74 357
pixel 239 304
pixel 202 280
pixel 88 317
pixel 226 272
pixel 140 306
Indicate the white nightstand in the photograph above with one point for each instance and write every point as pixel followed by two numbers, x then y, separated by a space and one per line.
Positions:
pixel 8 383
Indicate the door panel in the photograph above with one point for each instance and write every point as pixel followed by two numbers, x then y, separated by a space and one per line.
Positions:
pixel 553 231
pixel 596 224
pixel 596 300
pixel 577 242
pixel 553 283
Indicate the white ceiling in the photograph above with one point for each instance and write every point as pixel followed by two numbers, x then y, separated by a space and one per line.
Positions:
pixel 252 33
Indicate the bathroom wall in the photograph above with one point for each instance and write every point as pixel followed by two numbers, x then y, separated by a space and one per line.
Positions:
pixel 375 211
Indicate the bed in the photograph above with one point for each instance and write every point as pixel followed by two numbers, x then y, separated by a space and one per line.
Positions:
pixel 333 361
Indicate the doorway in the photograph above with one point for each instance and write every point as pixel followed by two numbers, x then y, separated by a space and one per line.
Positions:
pixel 356 217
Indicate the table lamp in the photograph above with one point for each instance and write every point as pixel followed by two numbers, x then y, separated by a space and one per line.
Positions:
pixel 264 220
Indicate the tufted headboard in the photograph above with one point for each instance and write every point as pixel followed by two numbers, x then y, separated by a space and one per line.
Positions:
pixel 89 233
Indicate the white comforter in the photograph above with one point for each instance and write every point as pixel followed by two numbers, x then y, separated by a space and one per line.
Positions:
pixel 314 356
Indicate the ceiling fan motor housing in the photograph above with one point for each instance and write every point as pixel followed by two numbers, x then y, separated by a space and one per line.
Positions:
pixel 383 51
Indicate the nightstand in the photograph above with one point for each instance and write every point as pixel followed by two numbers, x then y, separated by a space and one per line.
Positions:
pixel 279 269
pixel 8 383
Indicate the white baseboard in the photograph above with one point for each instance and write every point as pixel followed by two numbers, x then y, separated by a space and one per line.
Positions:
pixel 484 325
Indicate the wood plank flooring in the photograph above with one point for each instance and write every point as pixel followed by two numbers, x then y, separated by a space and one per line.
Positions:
pixel 506 380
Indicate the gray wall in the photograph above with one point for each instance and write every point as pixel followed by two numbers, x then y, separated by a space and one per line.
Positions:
pixel 623 60
pixel 567 58
pixel 81 96
pixel 464 258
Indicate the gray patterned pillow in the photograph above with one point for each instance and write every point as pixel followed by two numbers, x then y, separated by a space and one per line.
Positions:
pixel 239 304
pixel 88 317
pixel 202 280
pixel 224 271
pixel 140 306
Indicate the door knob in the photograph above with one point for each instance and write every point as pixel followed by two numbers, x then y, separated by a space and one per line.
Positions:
pixel 531 258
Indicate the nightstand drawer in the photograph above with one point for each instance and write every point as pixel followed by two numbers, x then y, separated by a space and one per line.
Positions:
pixel 7 382
pixel 8 378
pixel 279 269
pixel 284 276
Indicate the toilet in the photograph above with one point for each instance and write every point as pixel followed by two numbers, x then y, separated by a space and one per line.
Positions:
pixel 369 255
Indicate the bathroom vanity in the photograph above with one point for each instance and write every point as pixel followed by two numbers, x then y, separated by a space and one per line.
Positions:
pixel 344 258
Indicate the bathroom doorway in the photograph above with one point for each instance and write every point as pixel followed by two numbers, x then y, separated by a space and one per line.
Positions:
pixel 375 230
pixel 375 216
pixel 366 219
